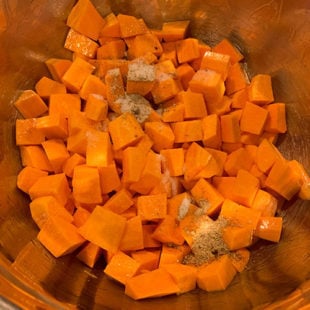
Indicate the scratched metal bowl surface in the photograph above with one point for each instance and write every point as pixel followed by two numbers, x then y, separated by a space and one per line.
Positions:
pixel 273 35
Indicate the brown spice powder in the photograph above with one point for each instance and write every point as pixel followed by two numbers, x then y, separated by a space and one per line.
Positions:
pixel 208 243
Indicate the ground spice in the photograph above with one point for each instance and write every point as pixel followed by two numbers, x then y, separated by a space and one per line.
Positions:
pixel 208 243
pixel 135 104
pixel 140 71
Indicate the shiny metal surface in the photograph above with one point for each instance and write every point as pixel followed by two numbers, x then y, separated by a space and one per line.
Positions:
pixel 274 35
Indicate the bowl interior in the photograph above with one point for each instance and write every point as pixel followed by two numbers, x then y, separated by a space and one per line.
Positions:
pixel 273 36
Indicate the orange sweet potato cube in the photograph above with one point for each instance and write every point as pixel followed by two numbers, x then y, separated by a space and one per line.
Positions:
pixel 59 236
pixel 57 67
pixel 187 50
pixel 209 83
pixel 55 185
pixel 56 152
pixel 217 275
pixel 45 87
pixel 260 89
pixel 96 108
pixel 76 74
pixel 216 62
pixel 85 19
pixel 86 186
pixel 125 130
pixel 30 104
pixel 147 211
pixel 161 134
pixel 121 267
pixel 26 132
pixel 104 228
pixel 132 238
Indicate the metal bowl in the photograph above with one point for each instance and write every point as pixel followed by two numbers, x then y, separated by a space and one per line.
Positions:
pixel 273 35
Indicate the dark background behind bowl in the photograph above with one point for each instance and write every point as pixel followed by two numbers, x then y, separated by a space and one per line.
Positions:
pixel 273 35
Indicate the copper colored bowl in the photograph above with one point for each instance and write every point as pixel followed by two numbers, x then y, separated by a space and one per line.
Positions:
pixel 273 35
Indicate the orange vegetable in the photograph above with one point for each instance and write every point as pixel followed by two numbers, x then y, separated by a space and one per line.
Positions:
pixel 207 196
pixel 86 184
pixel 226 47
pixel 245 188
pixel 56 153
pixel 64 104
pixel 269 228
pixel 209 83
pixel 148 259
pixel 211 131
pixel 121 267
pixel 146 43
pixel 150 175
pixel 130 26
pixel 120 202
pixel 165 88
pixel 266 155
pixel 216 62
pixel 236 79
pixel 230 129
pixel 260 89
pixel 217 275
pixel 152 207
pixel 59 236
pixel 26 132
pixel 57 67
pixel 53 126
pixel 187 131
pixel 148 240
pixel 140 78
pixel 80 216
pixel 187 50
pixel 35 157
pixel 283 180
pixel 76 74
pixel 301 173
pixel 168 231
pixel 112 50
pixel 253 118
pixel 237 237
pixel 109 178
pixel 111 27
pixel 173 161
pixel 196 159
pixel 92 85
pixel 175 30
pixel 194 104
pixel 236 160
pixel 224 185
pixel 104 228
pixel 85 19
pixel 42 208
pixel 265 203
pixel 55 185
pixel 239 99
pixel 99 149
pixel 276 119
pixel 30 104
pixel 185 73
pixel 238 215
pixel 89 254
pixel 81 44
pixel 125 130
pixel 161 134
pixel 240 259
pixel 154 283
pixel 28 176
pixel 184 276
pixel 96 107
pixel 45 87
pixel 133 163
